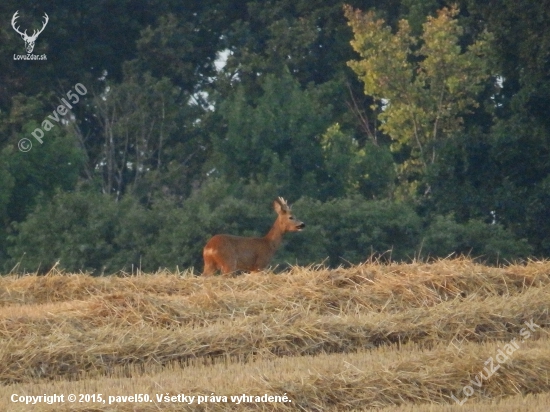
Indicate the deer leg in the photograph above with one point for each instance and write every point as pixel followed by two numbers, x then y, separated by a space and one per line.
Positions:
pixel 209 269
pixel 210 265
pixel 227 269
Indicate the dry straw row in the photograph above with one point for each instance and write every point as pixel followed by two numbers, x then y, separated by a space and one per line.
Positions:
pixel 52 345
pixel 373 286
pixel 397 376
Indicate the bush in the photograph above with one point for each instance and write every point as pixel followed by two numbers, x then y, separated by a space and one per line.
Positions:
pixel 350 230
pixel 82 231
pixel 93 232
pixel 491 243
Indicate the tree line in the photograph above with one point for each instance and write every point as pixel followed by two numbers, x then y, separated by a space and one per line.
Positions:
pixel 402 129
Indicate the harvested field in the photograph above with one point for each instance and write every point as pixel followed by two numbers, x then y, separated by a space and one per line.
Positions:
pixel 390 337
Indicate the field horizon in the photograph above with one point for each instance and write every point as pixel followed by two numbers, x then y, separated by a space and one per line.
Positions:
pixel 376 336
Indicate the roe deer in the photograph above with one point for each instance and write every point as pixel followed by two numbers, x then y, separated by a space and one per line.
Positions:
pixel 230 253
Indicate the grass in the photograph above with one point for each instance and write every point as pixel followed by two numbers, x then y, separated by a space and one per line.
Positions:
pixel 391 337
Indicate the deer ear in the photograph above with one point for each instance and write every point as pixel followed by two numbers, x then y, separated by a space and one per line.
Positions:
pixel 277 206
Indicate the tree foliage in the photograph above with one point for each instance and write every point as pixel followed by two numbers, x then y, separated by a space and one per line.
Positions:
pixel 274 138
pixel 136 118
pixel 433 141
pixel 423 84
pixel 351 169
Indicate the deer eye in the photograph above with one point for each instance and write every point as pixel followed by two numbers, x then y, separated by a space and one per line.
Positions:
pixel 291 217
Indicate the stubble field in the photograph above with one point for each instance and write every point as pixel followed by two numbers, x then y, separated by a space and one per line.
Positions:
pixel 390 337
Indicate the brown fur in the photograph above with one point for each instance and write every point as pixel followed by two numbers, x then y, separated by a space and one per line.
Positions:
pixel 230 253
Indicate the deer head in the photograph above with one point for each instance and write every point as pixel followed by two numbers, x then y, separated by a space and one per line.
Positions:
pixel 29 40
pixel 286 222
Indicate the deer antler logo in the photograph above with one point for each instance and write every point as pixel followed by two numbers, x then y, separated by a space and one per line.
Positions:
pixel 29 40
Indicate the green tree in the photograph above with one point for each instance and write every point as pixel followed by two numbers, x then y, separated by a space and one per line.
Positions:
pixel 352 169
pixel 84 231
pixel 54 164
pixel 274 137
pixel 521 134
pixel 490 243
pixel 424 85
pixel 6 189
pixel 137 119
pixel 351 229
